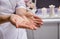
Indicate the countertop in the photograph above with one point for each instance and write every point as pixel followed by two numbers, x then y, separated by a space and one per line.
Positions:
pixel 51 20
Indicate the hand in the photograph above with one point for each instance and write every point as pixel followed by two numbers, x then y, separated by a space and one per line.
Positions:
pixel 31 22
pixel 35 18
pixel 20 22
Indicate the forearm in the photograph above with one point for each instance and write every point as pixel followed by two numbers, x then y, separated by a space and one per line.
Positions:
pixel 4 18
pixel 23 12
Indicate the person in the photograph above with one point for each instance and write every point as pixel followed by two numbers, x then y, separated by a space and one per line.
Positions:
pixel 11 25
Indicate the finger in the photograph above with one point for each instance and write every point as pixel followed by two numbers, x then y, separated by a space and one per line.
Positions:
pixel 39 25
pixel 16 24
pixel 33 24
pixel 38 22
pixel 36 17
pixel 34 27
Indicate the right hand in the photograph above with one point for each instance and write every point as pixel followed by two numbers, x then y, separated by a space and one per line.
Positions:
pixel 37 20
pixel 20 22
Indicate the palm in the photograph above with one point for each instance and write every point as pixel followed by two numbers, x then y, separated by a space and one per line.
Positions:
pixel 35 18
pixel 20 22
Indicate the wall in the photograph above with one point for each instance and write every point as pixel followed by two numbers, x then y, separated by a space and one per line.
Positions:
pixel 46 3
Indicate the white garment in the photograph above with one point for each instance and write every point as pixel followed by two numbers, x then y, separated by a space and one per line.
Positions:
pixel 7 30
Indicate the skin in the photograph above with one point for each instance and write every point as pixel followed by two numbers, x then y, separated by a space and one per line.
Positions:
pixel 22 22
pixel 4 18
pixel 22 19
pixel 18 21
pixel 31 17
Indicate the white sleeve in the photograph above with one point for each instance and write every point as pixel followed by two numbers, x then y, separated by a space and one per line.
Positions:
pixel 21 4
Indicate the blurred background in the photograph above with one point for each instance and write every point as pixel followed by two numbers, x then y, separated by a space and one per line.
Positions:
pixel 49 11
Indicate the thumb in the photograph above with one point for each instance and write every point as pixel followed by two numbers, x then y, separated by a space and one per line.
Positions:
pixel 16 24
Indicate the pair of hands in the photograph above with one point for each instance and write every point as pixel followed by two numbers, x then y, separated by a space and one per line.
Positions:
pixel 28 21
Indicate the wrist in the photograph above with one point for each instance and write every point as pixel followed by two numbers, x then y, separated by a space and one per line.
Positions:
pixel 4 18
pixel 9 18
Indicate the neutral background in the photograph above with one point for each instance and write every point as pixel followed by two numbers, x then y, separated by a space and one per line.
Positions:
pixel 46 3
